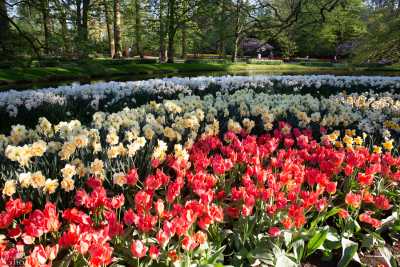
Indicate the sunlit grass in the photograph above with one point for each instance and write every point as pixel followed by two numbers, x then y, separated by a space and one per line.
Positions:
pixel 107 68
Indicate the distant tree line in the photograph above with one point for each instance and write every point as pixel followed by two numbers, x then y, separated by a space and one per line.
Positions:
pixel 170 29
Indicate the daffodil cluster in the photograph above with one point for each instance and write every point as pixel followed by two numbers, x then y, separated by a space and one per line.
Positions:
pixel 52 155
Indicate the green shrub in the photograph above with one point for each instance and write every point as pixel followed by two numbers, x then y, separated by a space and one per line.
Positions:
pixel 317 64
pixel 206 61
pixel 146 61
pixel 15 63
pixel 265 62
pixel 211 61
pixel 123 61
pixel 6 64
pixel 116 62
pixel 49 62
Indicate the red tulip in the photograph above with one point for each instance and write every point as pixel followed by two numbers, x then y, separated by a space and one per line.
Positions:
pixel 138 249
pixel 274 231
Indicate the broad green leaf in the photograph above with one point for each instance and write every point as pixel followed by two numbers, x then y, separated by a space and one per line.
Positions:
pixel 66 261
pixel 236 242
pixel 349 251
pixel 352 226
pixel 332 235
pixel 332 212
pixel 283 261
pixel 298 249
pixel 316 241
pixel 287 236
pixel 265 257
pixel 367 241
pixel 323 217
pixel 178 263
pixel 80 261
pixel 387 256
pixel 217 255
pixel 372 240
pixel 332 241
pixel 391 220
pixel 396 226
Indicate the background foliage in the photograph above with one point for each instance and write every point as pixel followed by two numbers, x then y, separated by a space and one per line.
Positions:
pixel 363 31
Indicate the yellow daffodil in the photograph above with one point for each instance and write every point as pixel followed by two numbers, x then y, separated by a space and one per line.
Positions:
pixel 377 149
pixel 388 145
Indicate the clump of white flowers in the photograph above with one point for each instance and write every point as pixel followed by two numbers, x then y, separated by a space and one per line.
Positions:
pixel 110 93
pixel 160 150
pixel 23 154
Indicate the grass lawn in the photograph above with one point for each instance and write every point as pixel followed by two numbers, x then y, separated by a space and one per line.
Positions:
pixel 109 68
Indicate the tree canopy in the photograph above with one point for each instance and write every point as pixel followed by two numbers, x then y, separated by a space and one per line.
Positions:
pixel 360 31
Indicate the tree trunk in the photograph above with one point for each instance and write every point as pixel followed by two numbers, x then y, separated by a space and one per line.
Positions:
pixel 110 36
pixel 171 47
pixel 62 19
pixel 64 32
pixel 162 32
pixel 138 29
pixel 184 30
pixel 4 29
pixel 117 29
pixel 184 33
pixel 222 31
pixel 82 18
pixel 78 19
pixel 171 30
pixel 85 19
pixel 222 44
pixel 237 31
pixel 235 48
pixel 46 24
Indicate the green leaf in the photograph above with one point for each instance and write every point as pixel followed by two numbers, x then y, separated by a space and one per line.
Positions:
pixel 396 226
pixel 367 241
pixel 287 236
pixel 80 261
pixel 66 261
pixel 349 251
pixel 298 249
pixel 387 256
pixel 372 240
pixel 316 241
pixel 283 261
pixel 387 222
pixel 352 226
pixel 332 241
pixel 236 242
pixel 217 255
pixel 333 235
pixel 221 265
pixel 265 257
pixel 324 217
pixel 332 212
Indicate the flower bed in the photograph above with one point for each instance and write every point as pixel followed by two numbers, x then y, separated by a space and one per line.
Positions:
pixel 220 175
pixel 274 199
pixel 81 101
pixel 265 61
pixel 184 119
